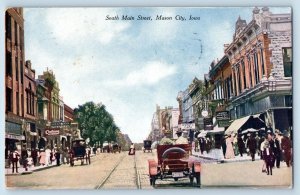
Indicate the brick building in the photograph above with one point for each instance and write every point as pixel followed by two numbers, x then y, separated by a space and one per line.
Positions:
pixel 261 61
pixel 14 80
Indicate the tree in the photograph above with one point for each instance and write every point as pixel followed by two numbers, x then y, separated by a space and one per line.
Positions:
pixel 96 123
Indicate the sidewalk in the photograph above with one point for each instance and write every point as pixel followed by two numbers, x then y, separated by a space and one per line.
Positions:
pixel 217 155
pixel 21 170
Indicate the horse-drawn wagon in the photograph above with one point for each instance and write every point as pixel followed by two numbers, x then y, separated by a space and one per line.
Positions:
pixel 80 151
pixel 147 146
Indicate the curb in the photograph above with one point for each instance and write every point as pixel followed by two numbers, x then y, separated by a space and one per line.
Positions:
pixel 219 161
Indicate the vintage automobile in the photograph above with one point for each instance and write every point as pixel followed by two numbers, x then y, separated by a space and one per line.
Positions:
pixel 147 146
pixel 174 161
pixel 80 151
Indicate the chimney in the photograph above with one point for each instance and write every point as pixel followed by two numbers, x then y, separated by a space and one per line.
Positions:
pixel 28 64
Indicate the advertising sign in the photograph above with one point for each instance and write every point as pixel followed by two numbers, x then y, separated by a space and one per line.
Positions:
pixel 188 126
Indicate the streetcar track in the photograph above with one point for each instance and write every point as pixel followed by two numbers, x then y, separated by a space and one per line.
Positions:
pixel 110 173
pixel 137 175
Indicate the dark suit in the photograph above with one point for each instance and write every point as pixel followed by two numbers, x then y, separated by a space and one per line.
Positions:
pixel 268 157
pixel 277 153
pixel 286 149
pixel 252 147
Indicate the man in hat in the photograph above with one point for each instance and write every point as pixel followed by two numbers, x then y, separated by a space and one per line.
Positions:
pixel 286 148
pixel 277 149
pixel 181 139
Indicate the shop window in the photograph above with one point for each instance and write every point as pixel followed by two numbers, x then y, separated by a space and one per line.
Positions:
pixel 287 62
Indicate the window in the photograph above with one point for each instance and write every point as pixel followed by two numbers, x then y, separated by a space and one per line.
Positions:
pixel 244 74
pixel 287 62
pixel 16 34
pixel 8 100
pixel 250 71
pixel 256 73
pixel 8 64
pixel 262 61
pixel 21 68
pixel 18 103
pixel 8 25
pixel 17 68
pixel 239 80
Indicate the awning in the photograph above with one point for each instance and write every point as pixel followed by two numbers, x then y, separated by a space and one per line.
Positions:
pixel 235 125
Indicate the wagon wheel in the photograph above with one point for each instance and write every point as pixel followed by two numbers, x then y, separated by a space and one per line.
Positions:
pixel 175 179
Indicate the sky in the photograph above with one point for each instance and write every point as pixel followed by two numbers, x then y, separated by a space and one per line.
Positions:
pixel 129 66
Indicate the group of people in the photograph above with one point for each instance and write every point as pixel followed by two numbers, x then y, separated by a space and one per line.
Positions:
pixel 180 139
pixel 36 157
pixel 271 147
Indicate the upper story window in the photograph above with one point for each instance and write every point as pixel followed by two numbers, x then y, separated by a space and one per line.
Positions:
pixel 287 61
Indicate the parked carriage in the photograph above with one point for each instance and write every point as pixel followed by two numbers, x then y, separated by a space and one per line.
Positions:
pixel 174 161
pixel 80 151
pixel 116 148
pixel 147 146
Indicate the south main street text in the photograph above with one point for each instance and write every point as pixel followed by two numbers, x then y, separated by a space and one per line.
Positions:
pixel 158 17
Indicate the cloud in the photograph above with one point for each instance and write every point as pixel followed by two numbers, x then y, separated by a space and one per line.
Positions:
pixel 150 74
pixel 73 25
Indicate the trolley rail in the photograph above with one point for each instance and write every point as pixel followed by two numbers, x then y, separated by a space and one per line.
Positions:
pixel 104 181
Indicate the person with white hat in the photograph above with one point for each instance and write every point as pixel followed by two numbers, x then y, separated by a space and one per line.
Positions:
pixel 181 139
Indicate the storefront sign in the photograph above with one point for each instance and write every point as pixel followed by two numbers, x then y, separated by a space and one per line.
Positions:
pixel 52 131
pixel 188 126
pixel 223 123
pixel 13 128
pixel 17 137
pixel 223 115
pixel 60 123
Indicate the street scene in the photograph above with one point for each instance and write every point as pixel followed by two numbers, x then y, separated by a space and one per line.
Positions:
pixel 148 98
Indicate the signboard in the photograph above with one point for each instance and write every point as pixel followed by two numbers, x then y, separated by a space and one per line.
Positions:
pixel 223 123
pixel 188 126
pixel 52 131
pixel 223 115
pixel 208 123
pixel 17 137
pixel 204 113
pixel 59 124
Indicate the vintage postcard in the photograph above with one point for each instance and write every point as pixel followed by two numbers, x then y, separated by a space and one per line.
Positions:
pixel 148 97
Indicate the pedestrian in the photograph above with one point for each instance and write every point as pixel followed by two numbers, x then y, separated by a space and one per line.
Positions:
pixel 48 156
pixel 268 156
pixel 14 159
pixel 224 145
pixel 181 139
pixel 208 144
pixel 261 140
pixel 24 156
pixel 286 148
pixel 57 156
pixel 42 156
pixel 277 151
pixel 262 147
pixel 252 146
pixel 34 156
pixel 67 155
pixel 229 147
pixel 241 144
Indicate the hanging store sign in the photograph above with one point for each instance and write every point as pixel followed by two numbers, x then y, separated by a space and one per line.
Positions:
pixel 188 126
pixel 60 124
pixel 16 137
pixel 224 123
pixel 52 131
pixel 223 115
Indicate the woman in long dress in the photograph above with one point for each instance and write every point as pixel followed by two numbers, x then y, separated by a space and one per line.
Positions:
pixel 42 157
pixel 229 148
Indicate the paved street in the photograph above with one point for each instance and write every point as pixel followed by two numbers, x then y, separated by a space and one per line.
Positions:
pixel 118 171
